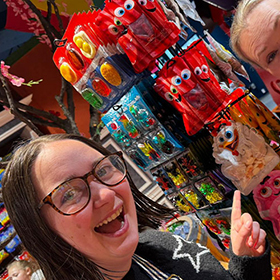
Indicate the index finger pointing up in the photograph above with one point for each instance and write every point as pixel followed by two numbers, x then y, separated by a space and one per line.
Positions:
pixel 236 210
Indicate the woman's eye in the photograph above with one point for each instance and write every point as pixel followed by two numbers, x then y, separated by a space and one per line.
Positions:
pixel 119 12
pixel 271 57
pixel 69 196
pixel 104 171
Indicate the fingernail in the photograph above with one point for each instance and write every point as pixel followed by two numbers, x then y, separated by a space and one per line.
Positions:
pixel 248 224
pixel 250 243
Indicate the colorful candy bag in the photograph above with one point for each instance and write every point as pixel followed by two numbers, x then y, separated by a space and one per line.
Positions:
pixel 244 155
pixel 267 199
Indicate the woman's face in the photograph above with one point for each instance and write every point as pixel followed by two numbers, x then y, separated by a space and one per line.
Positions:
pixel 260 41
pixel 18 273
pixel 108 245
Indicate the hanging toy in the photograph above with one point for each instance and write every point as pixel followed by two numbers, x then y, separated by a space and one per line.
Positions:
pixel 175 174
pixel 267 199
pixel 149 151
pixel 142 116
pixel 271 118
pixel 162 143
pixel 129 126
pixel 249 118
pixel 137 157
pixel 244 155
pixel 119 136
pixel 262 121
pixel 92 98
pixel 86 46
pixel 227 56
pixel 110 74
pixel 162 180
pixel 192 197
pixel 209 190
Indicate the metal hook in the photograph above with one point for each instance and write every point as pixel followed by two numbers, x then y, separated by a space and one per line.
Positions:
pixel 60 42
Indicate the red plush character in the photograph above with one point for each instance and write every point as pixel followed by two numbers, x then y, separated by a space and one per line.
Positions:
pixel 145 40
pixel 178 81
pixel 109 25
pixel 199 66
pixel 175 97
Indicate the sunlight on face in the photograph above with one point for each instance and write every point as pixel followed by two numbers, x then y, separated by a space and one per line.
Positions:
pixel 260 41
pixel 17 273
pixel 107 225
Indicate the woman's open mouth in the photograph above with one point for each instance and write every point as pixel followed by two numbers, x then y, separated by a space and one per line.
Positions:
pixel 112 224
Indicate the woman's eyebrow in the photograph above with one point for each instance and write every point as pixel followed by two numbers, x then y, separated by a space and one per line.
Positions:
pixel 276 22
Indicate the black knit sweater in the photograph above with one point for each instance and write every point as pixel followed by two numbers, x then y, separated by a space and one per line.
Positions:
pixel 192 261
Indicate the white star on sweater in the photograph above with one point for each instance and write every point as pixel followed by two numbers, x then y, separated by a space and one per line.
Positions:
pixel 195 261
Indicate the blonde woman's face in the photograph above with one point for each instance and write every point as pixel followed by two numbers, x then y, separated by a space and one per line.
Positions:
pixel 18 273
pixel 260 41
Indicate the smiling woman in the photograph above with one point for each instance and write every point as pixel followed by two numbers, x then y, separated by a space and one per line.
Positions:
pixel 255 34
pixel 78 212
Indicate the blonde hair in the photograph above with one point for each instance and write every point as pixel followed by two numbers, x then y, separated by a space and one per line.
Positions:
pixel 239 24
pixel 22 264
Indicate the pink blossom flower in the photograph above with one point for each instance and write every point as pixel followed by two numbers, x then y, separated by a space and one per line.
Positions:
pixel 64 14
pixel 16 81
pixel 5 69
pixel 12 78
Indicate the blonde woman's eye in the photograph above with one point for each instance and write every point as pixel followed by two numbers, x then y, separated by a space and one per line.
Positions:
pixel 271 57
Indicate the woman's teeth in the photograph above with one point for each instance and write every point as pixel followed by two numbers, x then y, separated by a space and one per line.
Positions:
pixel 110 219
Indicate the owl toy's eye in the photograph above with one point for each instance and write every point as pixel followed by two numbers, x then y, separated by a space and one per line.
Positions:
pixel 168 96
pixel 173 89
pixel 221 139
pixel 204 68
pixel 186 74
pixel 197 71
pixel 176 81
pixel 129 4
pixel 119 12
pixel 266 192
pixel 276 183
pixel 229 134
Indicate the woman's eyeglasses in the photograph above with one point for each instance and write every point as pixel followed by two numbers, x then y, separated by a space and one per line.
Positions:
pixel 73 195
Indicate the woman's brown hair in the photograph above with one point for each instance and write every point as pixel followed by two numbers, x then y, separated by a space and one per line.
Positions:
pixel 56 257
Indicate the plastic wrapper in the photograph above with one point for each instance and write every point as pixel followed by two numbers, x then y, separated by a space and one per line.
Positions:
pixel 244 155
pixel 162 179
pixel 187 83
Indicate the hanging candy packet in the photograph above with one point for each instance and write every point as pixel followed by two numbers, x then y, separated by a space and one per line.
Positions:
pixel 244 155
pixel 162 179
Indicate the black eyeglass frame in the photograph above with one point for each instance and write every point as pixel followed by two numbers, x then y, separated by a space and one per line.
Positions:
pixel 48 198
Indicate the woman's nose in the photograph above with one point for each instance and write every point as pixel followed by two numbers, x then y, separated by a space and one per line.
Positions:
pixel 100 193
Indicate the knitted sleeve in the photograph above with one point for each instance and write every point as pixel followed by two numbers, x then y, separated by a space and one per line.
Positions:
pixel 247 268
